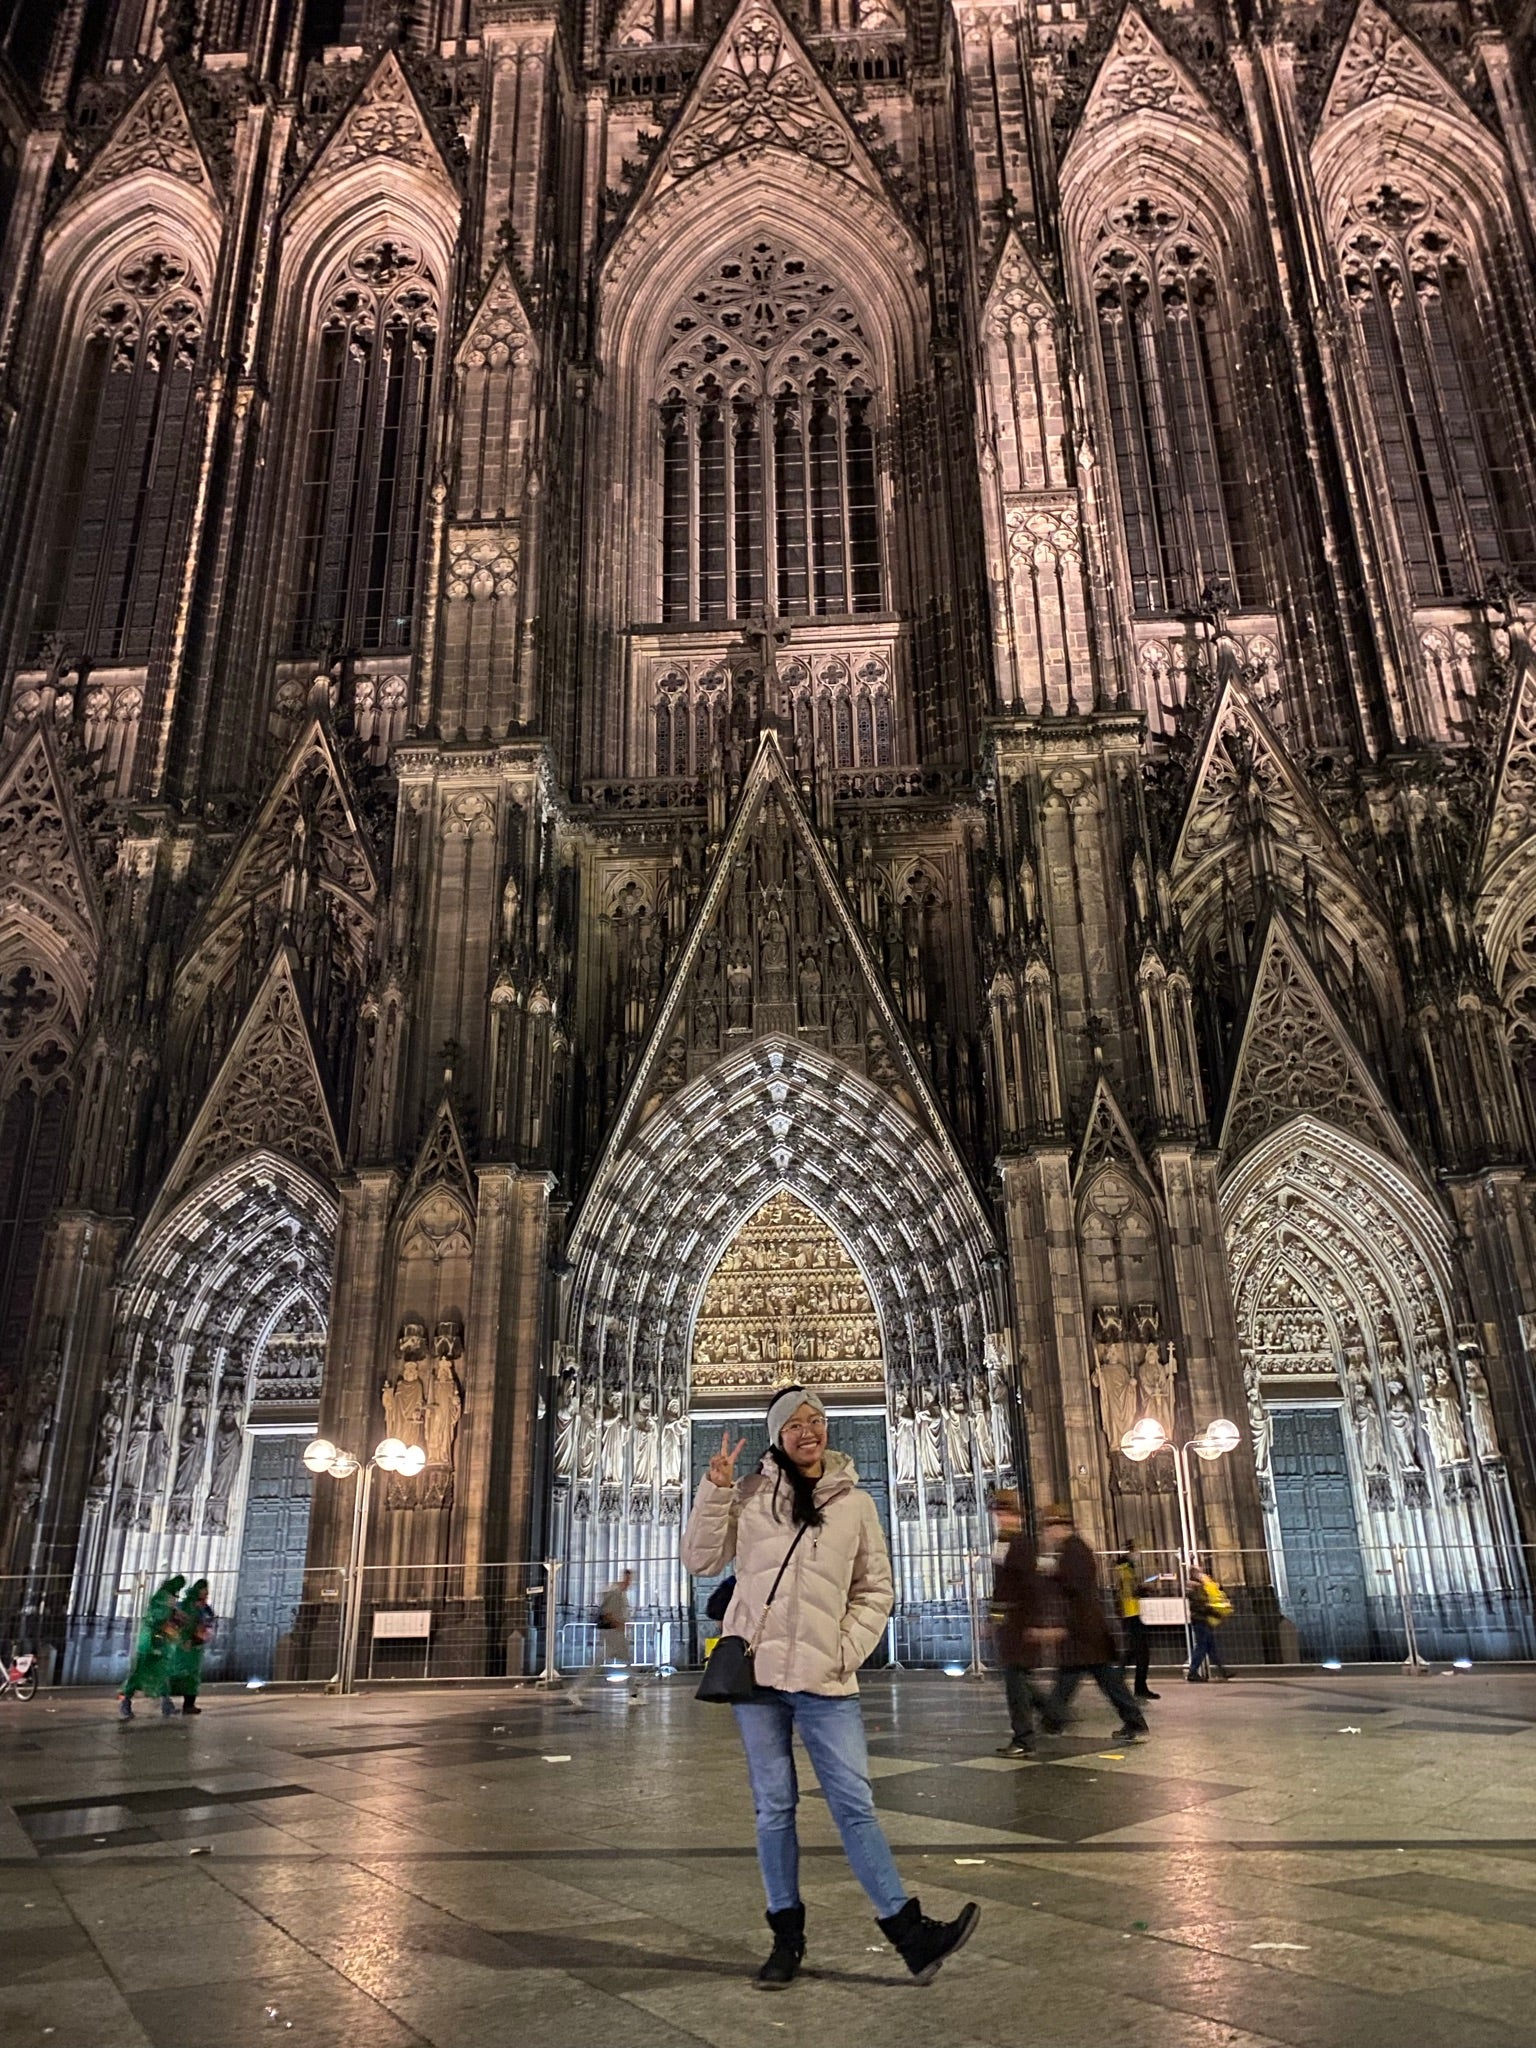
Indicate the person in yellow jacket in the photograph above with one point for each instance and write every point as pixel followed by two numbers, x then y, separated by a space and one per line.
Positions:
pixel 1209 1607
pixel 1129 1587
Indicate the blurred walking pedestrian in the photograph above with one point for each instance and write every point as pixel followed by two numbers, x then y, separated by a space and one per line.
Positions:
pixel 186 1655
pixel 802 1525
pixel 612 1645
pixel 1020 1624
pixel 1129 1587
pixel 1209 1607
pixel 150 1670
pixel 1087 1644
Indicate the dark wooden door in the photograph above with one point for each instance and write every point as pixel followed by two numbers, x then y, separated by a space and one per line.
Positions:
pixel 1326 1593
pixel 271 1557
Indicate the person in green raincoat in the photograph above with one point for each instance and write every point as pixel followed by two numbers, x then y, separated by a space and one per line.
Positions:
pixel 150 1671
pixel 186 1657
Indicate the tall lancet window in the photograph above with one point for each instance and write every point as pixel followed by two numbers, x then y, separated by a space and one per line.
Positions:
pixel 768 421
pixel 109 579
pixel 1454 453
pixel 1172 417
pixel 365 455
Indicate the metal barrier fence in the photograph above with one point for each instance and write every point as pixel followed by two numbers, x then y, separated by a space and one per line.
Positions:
pixel 520 1620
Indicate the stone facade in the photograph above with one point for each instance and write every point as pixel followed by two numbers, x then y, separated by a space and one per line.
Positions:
pixel 694 687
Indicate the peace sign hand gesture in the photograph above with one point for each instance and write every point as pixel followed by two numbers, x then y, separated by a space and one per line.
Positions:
pixel 722 1466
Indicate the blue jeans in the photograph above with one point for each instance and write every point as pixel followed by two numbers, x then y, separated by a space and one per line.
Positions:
pixel 832 1729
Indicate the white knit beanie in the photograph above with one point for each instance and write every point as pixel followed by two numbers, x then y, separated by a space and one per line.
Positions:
pixel 783 1405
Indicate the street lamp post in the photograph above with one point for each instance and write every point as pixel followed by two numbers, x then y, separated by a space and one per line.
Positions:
pixel 391 1455
pixel 1145 1439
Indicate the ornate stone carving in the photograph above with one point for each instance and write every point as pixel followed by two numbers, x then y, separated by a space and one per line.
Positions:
pixel 1139 77
pixel 192 1441
pixel 499 336
pixel 785 1302
pixel 154 134
pixel 759 93
pixel 483 563
pixel 405 1392
pixel 1114 1374
pixel 1485 1437
pixel 228 1450
pixel 1377 59
pixel 445 1406
pixel 1370 1434
pixel 384 120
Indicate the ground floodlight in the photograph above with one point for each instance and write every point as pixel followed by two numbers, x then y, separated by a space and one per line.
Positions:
pixel 389 1453
pixel 411 1461
pixel 1226 1436
pixel 320 1455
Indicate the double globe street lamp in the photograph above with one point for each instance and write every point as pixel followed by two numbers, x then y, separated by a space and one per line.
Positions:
pixel 320 1455
pixel 1144 1439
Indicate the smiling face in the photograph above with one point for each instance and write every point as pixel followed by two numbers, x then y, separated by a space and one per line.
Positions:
pixel 803 1439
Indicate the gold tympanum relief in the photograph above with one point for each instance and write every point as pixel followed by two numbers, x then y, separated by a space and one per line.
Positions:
pixel 786 1301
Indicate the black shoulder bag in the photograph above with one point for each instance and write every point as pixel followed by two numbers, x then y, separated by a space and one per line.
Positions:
pixel 728 1676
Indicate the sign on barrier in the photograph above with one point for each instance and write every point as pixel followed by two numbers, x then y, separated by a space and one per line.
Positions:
pixel 1161 1611
pixel 396 1624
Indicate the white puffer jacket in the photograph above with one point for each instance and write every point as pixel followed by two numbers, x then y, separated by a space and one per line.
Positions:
pixel 836 1596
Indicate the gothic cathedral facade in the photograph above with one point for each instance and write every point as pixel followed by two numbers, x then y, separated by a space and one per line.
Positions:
pixel 705 691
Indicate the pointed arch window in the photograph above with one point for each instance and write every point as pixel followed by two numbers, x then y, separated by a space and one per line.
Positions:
pixel 365 455
pixel 768 420
pixel 109 577
pixel 1172 414
pixel 1454 465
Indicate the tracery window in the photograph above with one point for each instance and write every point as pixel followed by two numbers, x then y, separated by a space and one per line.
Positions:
pixel 109 576
pixel 770 495
pixel 365 454
pixel 1453 469
pixel 1172 412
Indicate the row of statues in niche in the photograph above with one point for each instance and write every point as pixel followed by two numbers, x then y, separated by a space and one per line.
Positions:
pixel 1393 1431
pixel 1134 1371
pixel 423 1404
pixel 593 1431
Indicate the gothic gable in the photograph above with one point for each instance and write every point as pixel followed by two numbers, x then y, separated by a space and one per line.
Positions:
pixel 153 133
pixel 499 335
pixel 1108 1140
pixel 775 950
pixel 268 1094
pixel 442 1163
pixel 760 90
pixel 45 877
pixel 1139 76
pixel 1380 60
pixel 1296 1056
pixel 310 824
pixel 1244 783
pixel 385 121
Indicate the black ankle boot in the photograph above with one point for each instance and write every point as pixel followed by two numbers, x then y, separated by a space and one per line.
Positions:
pixel 783 1965
pixel 923 1944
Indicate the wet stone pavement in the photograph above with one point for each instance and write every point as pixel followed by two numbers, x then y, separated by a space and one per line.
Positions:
pixel 1312 1860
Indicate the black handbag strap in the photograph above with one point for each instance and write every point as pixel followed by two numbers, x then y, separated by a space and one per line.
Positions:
pixel 778 1580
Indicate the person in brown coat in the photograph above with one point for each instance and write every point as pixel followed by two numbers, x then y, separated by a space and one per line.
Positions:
pixel 1087 1646
pixel 1025 1623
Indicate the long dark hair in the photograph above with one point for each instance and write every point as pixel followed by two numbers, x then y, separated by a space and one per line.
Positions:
pixel 803 1508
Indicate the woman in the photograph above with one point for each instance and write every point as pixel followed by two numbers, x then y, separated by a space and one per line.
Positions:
pixel 150 1671
pixel 827 1616
pixel 197 1619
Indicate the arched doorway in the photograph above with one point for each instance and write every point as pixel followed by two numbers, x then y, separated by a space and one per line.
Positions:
pixel 777 1185
pixel 213 1391
pixel 1380 1471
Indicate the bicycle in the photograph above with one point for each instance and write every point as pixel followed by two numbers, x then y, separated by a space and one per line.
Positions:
pixel 19 1675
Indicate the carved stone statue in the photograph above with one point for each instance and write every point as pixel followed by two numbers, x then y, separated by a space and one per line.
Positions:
pixel 1366 1416
pixel 1157 1377
pixel 1403 1424
pixel 1114 1374
pixel 1485 1436
pixel 674 1446
pixel 405 1396
pixel 930 1431
pixel 109 1431
pixel 1261 1427
pixel 645 1464
pixel 565 1424
pixel 613 1433
pixel 192 1445
pixel 904 1441
pixel 228 1443
pixel 1443 1424
pixel 586 1434
pixel 957 1433
pixel 445 1405
pixel 810 987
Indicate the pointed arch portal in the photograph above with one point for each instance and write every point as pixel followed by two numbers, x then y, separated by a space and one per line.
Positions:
pixel 781 1205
